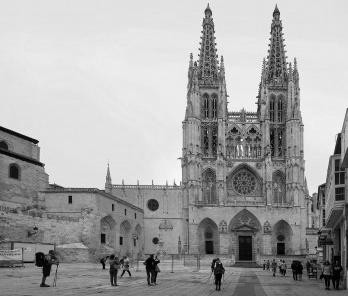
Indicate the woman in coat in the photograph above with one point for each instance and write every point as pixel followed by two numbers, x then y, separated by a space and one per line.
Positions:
pixel 327 274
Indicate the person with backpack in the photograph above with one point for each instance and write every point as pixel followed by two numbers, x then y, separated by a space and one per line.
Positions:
pixel 114 267
pixel 219 270
pixel 46 262
pixel 125 265
pixel 150 267
pixel 103 261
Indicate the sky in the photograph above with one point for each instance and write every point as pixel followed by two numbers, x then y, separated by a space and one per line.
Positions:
pixel 105 81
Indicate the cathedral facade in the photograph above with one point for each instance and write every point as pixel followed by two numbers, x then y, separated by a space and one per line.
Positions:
pixel 243 180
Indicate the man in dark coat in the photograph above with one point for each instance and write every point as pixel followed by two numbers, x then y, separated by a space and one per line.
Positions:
pixel 150 270
pixel 336 274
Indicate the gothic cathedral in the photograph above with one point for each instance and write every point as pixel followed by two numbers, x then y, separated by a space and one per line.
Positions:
pixel 243 182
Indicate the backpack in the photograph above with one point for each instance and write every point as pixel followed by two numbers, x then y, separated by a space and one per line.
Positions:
pixel 39 259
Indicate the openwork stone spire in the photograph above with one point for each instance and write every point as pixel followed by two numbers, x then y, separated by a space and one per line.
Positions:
pixel 276 63
pixel 208 64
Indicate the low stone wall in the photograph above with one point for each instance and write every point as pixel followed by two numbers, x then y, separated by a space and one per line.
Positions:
pixel 74 255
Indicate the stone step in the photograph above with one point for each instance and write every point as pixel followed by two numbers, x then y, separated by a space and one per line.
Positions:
pixel 246 264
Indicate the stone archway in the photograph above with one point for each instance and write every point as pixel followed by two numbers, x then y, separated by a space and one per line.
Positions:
pixel 208 237
pixel 246 236
pixel 281 238
pixel 107 232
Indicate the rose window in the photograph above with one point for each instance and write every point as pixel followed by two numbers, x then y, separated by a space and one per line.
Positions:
pixel 244 182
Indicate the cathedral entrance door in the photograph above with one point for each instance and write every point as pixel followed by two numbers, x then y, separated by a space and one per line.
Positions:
pixel 280 248
pixel 209 247
pixel 245 248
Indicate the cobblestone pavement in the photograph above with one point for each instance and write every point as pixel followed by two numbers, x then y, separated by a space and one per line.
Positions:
pixel 90 279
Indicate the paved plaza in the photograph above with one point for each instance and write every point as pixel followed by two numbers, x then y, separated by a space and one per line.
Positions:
pixel 90 279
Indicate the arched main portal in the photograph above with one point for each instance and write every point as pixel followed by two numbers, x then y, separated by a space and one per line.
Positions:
pixel 107 231
pixel 208 236
pixel 281 238
pixel 245 228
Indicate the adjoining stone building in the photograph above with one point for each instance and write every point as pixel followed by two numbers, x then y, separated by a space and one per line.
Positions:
pixel 243 192
pixel 333 205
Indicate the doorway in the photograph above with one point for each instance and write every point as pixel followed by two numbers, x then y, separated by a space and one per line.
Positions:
pixel 280 248
pixel 245 248
pixel 209 247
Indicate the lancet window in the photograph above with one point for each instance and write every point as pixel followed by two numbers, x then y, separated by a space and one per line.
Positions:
pixel 277 142
pixel 214 107
pixel 276 109
pixel 209 186
pixel 209 106
pixel 209 139
pixel 206 107
pixel 279 193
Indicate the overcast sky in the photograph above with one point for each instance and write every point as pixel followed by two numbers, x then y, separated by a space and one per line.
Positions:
pixel 98 81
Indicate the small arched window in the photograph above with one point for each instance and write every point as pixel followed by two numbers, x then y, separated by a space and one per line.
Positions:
pixel 271 109
pixel 214 107
pixel 206 107
pixel 14 171
pixel 280 110
pixel 3 145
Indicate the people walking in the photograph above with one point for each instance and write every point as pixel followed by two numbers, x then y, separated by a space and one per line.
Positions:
pixel 212 266
pixel 219 270
pixel 283 268
pixel 267 265
pixel 299 270
pixel 114 267
pixel 150 266
pixel 264 265
pixel 336 274
pixel 294 270
pixel 156 270
pixel 274 267
pixel 327 274
pixel 125 266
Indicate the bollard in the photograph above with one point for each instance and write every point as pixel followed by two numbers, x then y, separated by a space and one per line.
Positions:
pixel 172 264
pixel 137 264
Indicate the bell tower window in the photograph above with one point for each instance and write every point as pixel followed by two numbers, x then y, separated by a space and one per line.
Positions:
pixel 214 108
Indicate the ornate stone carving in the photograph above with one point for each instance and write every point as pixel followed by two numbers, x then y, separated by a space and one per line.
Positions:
pixel 223 227
pixel 267 229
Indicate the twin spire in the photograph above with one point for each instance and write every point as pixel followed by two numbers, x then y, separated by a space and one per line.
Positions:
pixel 208 59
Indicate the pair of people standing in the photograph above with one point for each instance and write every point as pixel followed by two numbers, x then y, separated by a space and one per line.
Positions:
pixel 152 269
pixel 332 272
pixel 218 270
pixel 297 270
pixel 282 267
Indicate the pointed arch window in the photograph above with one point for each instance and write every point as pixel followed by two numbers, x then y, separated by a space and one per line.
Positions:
pixel 279 193
pixel 205 135
pixel 271 109
pixel 280 110
pixel 272 142
pixel 209 187
pixel 214 139
pixel 206 107
pixel 214 107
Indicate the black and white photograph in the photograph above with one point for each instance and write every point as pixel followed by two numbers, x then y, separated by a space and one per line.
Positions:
pixel 173 147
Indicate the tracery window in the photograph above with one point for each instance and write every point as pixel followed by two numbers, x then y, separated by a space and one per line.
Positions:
pixel 209 139
pixel 271 109
pixel 277 142
pixel 209 186
pixel 206 107
pixel 280 110
pixel 244 182
pixel 279 194
pixel 214 107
